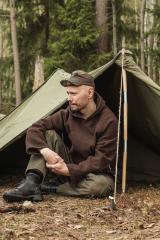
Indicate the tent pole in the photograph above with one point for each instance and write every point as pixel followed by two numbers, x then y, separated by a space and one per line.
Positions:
pixel 125 125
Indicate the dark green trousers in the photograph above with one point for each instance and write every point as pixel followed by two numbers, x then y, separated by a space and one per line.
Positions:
pixel 94 185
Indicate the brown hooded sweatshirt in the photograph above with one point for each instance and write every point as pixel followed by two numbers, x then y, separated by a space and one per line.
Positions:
pixel 91 141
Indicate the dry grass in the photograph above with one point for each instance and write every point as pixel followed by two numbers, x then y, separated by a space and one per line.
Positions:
pixel 137 216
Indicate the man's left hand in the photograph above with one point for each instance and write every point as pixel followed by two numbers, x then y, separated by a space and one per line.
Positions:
pixel 59 168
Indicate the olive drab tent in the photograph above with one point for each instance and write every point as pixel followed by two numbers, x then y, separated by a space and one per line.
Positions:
pixel 143 116
pixel 1 116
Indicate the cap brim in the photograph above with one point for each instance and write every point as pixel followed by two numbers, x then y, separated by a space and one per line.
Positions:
pixel 66 83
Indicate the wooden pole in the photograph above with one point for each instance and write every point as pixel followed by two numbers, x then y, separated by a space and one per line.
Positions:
pixel 118 140
pixel 125 125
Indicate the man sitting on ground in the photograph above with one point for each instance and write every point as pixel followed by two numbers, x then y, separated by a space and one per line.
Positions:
pixel 77 144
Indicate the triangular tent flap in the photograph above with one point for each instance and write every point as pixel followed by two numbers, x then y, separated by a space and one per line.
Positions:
pixel 47 99
pixel 143 96
pixel 143 115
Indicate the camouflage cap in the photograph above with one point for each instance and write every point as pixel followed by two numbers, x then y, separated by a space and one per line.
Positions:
pixel 78 78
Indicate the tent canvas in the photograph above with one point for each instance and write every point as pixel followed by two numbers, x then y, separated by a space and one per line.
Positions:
pixel 143 116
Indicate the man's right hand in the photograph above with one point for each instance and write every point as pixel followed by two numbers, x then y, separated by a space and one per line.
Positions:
pixel 50 156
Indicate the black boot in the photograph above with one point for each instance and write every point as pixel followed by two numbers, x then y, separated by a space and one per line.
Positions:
pixel 28 190
pixel 48 188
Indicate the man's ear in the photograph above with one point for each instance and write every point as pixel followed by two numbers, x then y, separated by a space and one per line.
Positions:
pixel 91 92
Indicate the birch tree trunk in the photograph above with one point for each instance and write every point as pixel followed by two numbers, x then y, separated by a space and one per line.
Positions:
pixel 142 13
pixel 39 73
pixel 115 27
pixel 101 17
pixel 15 52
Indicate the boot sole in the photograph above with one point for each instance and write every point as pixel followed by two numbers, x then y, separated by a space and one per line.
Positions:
pixel 46 192
pixel 19 198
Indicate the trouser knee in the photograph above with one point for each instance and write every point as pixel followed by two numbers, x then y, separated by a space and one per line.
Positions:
pixel 99 185
pixel 37 162
pixel 91 186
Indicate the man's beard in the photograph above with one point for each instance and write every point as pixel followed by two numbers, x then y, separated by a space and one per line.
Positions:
pixel 74 109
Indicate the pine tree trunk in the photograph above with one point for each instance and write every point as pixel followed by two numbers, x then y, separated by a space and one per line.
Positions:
pixel 101 16
pixel 137 22
pixel 115 28
pixel 1 58
pixel 155 71
pixel 150 41
pixel 142 13
pixel 15 52
pixel 123 37
pixel 39 73
pixel 1 73
pixel 154 74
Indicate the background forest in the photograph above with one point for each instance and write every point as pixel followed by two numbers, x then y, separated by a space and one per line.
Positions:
pixel 39 36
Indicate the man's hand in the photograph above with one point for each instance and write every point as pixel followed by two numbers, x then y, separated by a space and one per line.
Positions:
pixel 59 168
pixel 54 162
pixel 50 156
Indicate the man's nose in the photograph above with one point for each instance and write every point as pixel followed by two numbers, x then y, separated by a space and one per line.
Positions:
pixel 69 98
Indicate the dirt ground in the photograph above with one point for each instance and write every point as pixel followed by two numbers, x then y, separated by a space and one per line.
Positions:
pixel 137 216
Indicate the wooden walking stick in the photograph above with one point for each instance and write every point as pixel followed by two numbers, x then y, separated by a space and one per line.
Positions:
pixel 113 199
pixel 123 87
pixel 125 124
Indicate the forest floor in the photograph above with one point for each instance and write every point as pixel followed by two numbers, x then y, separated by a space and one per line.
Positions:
pixel 65 218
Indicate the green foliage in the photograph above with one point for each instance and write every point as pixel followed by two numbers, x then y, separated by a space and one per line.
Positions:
pixel 154 32
pixel 72 37
pixel 31 25
pixel 64 32
pixel 128 27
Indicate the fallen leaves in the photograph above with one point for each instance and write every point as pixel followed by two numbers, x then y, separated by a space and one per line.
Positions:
pixel 59 218
pixel 111 231
pixel 17 209
pixel 77 226
pixel 149 225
